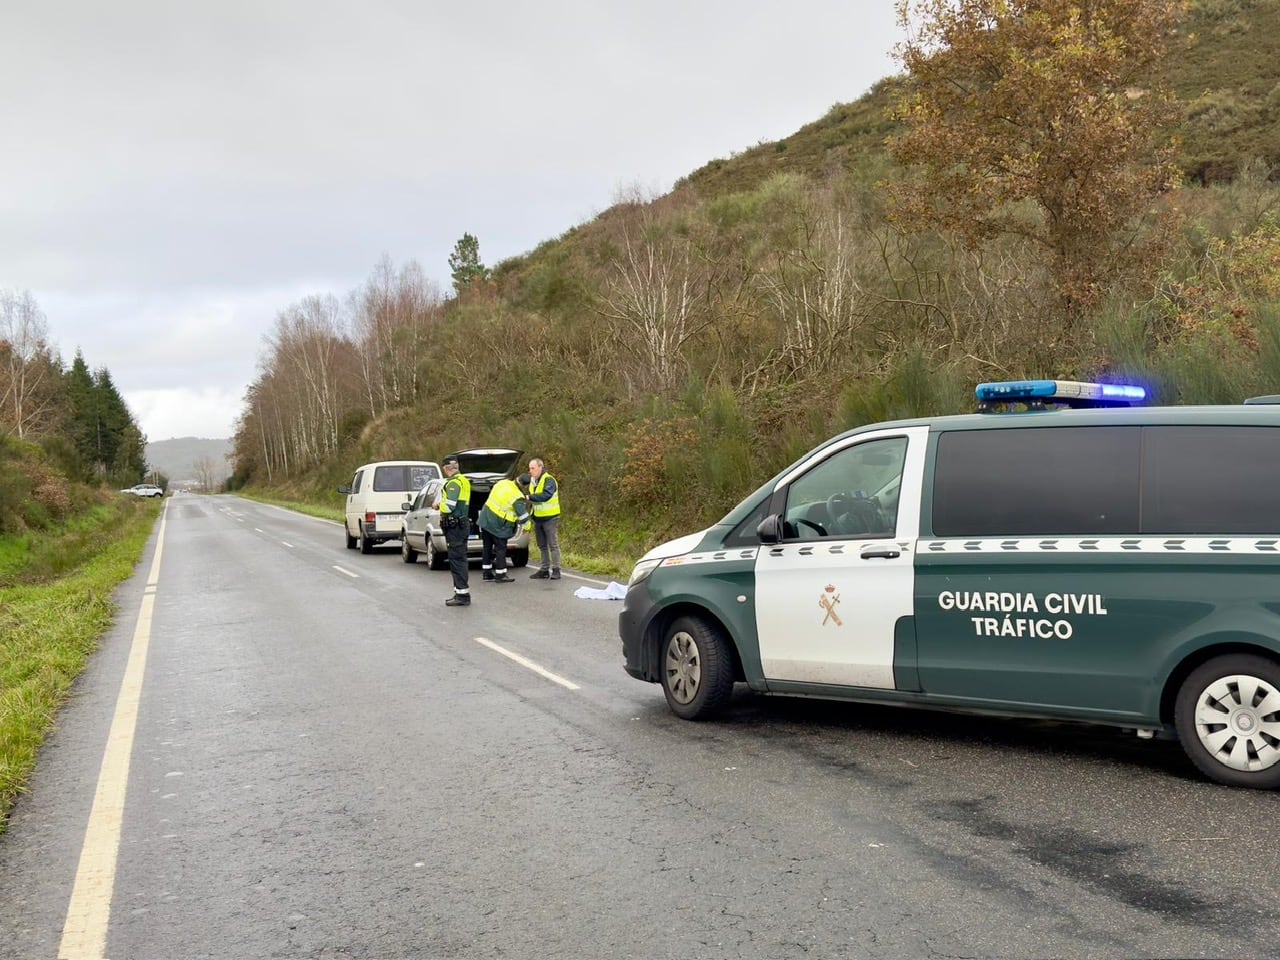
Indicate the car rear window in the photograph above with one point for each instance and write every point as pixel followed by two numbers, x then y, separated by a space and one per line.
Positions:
pixel 402 477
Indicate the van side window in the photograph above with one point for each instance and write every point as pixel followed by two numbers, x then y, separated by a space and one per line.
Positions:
pixel 853 493
pixel 1054 481
pixel 355 484
pixel 1211 479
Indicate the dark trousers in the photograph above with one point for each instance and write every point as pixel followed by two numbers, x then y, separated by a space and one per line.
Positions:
pixel 455 535
pixel 493 553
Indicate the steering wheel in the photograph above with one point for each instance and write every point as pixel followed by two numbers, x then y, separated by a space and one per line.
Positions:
pixel 847 519
pixel 838 504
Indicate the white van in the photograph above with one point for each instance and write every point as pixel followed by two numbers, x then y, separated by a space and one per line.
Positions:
pixel 376 497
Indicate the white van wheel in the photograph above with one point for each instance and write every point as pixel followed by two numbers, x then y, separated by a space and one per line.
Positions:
pixel 351 541
pixel 365 545
pixel 1228 719
pixel 696 667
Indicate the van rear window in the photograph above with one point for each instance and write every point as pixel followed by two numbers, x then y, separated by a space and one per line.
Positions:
pixel 402 478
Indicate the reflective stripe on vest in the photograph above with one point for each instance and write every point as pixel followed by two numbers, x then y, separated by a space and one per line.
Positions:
pixel 546 508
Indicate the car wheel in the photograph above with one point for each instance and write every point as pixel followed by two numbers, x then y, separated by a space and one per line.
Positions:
pixel 519 558
pixel 351 541
pixel 1228 719
pixel 365 545
pixel 407 553
pixel 697 668
pixel 435 559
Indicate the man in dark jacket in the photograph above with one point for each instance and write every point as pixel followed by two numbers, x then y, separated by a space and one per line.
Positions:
pixel 502 515
pixel 455 506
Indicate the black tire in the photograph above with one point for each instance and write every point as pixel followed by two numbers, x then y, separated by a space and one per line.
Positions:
pixel 519 558
pixel 1228 719
pixel 435 559
pixel 365 545
pixel 351 541
pixel 407 553
pixel 696 667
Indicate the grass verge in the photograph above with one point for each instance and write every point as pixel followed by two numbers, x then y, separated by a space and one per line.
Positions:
pixel 48 628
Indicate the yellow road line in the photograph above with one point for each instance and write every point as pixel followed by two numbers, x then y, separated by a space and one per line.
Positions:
pixel 84 933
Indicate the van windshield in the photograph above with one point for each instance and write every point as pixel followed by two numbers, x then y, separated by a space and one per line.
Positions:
pixel 402 477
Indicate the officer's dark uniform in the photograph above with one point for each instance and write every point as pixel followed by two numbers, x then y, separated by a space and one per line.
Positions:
pixel 455 503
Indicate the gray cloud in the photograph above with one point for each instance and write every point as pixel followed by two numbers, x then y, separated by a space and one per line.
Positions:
pixel 172 168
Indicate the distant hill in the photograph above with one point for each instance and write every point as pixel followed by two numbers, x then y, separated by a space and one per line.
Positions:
pixel 180 459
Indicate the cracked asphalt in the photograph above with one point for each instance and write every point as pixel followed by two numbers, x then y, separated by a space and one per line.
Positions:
pixel 331 766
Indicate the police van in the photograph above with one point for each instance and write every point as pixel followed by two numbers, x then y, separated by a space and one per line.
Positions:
pixel 1063 553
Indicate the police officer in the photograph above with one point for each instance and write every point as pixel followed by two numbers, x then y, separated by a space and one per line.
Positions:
pixel 544 494
pixel 455 502
pixel 501 516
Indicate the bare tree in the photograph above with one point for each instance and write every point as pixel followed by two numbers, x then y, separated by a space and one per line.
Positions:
pixel 28 367
pixel 655 291
pixel 390 319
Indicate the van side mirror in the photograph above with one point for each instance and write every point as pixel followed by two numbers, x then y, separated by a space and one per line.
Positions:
pixel 770 529
pixel 346 490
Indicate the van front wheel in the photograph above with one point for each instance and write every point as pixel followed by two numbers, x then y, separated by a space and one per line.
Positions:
pixel 696 667
pixel 1228 719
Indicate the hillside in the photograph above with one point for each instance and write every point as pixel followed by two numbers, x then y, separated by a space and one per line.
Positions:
pixel 1226 75
pixel 669 354
pixel 185 458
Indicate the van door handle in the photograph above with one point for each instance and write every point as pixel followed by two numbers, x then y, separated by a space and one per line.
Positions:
pixel 881 553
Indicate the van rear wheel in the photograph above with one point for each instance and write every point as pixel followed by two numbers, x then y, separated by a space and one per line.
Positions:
pixel 696 668
pixel 365 545
pixel 1228 719
pixel 351 541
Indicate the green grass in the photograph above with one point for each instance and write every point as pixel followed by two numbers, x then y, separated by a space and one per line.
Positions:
pixel 51 621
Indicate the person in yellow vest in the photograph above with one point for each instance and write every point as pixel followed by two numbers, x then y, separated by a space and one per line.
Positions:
pixel 544 495
pixel 505 512
pixel 455 504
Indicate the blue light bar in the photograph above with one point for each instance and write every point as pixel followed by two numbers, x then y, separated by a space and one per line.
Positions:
pixel 1069 392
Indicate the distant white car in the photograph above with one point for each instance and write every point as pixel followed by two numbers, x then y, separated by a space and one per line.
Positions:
pixel 144 490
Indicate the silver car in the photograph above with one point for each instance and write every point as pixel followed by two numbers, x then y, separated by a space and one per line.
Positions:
pixel 420 529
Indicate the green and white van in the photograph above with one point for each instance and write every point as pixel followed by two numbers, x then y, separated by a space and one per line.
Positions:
pixel 1100 562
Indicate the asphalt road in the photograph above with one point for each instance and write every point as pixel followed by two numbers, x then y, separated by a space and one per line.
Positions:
pixel 328 762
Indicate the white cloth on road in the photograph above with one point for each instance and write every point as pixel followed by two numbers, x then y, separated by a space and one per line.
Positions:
pixel 614 591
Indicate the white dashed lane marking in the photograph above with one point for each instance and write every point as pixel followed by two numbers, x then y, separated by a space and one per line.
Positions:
pixel 528 664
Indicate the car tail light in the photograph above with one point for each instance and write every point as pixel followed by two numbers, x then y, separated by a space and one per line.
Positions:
pixel 370 517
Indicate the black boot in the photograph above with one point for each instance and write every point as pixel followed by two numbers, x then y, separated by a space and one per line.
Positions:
pixel 555 573
pixel 539 575
pixel 459 600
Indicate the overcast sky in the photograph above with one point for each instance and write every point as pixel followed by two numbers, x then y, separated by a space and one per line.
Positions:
pixel 173 174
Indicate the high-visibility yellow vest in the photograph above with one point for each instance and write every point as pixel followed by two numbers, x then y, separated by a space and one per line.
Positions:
pixel 502 500
pixel 546 508
pixel 463 497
